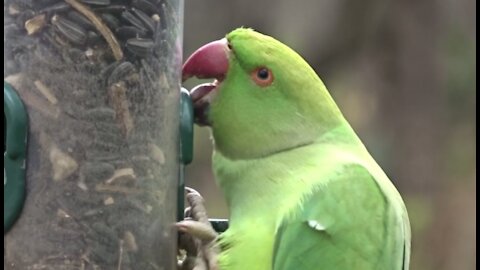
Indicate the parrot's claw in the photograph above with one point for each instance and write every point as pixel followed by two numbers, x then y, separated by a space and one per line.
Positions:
pixel 190 190
pixel 197 229
pixel 197 237
pixel 187 213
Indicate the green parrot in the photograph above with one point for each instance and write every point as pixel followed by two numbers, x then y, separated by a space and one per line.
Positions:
pixel 302 190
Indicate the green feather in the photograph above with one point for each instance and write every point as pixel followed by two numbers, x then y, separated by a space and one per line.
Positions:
pixel 346 223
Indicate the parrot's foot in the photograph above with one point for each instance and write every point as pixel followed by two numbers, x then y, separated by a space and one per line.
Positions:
pixel 197 237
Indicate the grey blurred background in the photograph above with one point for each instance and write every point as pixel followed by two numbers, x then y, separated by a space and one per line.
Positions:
pixel 403 73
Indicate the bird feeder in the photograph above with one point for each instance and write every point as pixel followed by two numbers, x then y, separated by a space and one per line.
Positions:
pixel 93 153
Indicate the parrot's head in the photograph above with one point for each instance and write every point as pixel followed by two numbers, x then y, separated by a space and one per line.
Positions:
pixel 264 99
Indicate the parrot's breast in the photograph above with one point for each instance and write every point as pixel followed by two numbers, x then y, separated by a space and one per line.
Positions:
pixel 260 194
pixel 265 194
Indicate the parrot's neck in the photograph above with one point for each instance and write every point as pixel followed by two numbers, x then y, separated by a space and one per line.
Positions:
pixel 258 185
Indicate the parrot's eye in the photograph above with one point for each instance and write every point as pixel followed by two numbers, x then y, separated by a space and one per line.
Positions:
pixel 262 76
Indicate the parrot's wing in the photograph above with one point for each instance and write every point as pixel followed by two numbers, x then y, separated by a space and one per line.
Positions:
pixel 344 224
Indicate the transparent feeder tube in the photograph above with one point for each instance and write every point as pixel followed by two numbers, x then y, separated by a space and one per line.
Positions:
pixel 100 80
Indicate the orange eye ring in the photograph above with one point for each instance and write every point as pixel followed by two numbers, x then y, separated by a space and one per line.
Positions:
pixel 262 76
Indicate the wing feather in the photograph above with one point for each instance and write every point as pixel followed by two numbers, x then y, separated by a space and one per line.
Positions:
pixel 361 228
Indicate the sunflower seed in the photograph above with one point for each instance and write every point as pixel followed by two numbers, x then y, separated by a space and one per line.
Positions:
pixel 150 74
pixel 148 22
pixel 50 37
pixel 145 6
pixel 97 2
pixel 70 30
pixel 163 17
pixel 139 46
pixel 81 20
pixel 120 2
pixel 110 20
pixel 121 72
pixel 106 71
pixel 76 55
pixel 113 9
pixel 129 17
pixel 56 8
pixel 128 32
pixel 93 38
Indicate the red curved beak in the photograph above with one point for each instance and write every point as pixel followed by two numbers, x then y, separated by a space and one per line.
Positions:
pixel 210 61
